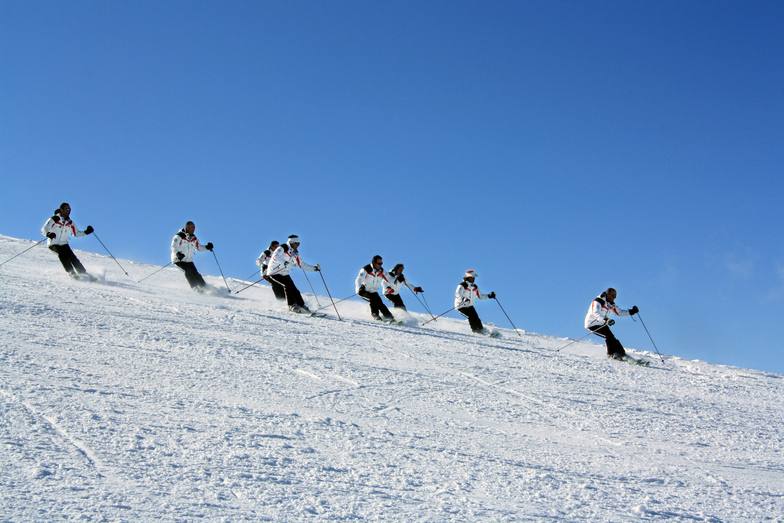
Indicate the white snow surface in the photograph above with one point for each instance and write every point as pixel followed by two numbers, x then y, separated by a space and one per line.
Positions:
pixel 127 401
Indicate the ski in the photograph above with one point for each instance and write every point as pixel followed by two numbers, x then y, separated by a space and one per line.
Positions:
pixel 83 277
pixel 309 313
pixel 633 361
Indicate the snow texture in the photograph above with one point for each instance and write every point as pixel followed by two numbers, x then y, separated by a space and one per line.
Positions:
pixel 126 401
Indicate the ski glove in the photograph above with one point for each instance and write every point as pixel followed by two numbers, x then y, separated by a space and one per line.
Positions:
pixel 361 289
pixel 89 229
pixel 317 267
pixel 180 256
pixel 418 289
pixel 491 295
pixel 611 322
pixel 209 246
pixel 51 236
pixel 634 311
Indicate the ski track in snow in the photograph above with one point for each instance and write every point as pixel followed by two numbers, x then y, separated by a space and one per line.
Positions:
pixel 126 401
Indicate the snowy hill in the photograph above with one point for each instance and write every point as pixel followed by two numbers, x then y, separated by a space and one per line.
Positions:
pixel 126 401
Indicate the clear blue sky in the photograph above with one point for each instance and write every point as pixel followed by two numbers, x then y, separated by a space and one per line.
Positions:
pixel 557 148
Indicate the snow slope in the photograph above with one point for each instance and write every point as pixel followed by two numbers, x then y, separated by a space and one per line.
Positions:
pixel 126 401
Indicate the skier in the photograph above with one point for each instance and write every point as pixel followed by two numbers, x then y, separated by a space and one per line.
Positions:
pixel 183 246
pixel 465 295
pixel 367 283
pixel 284 258
pixel 598 321
pixel 57 229
pixel 392 287
pixel 263 262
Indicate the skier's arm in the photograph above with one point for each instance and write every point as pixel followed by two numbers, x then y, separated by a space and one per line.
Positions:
pixel 46 229
pixel 596 312
pixel 200 247
pixel 306 267
pixel 76 232
pixel 360 282
pixel 461 298
pixel 621 312
pixel 277 263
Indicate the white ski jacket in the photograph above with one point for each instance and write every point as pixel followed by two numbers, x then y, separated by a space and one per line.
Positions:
pixel 466 294
pixel 284 259
pixel 599 312
pixel 264 260
pixel 371 278
pixel 186 244
pixel 62 229
pixel 396 283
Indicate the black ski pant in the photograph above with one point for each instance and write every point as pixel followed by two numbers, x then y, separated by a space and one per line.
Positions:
pixel 473 318
pixel 70 262
pixel 396 300
pixel 376 305
pixel 278 289
pixel 614 347
pixel 191 274
pixel 293 297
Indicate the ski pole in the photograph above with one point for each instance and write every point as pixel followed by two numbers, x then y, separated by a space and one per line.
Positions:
pixel 313 290
pixel 574 341
pixel 21 253
pixel 248 286
pixel 508 318
pixel 426 305
pixel 344 299
pixel 245 280
pixel 420 302
pixel 428 321
pixel 110 254
pixel 649 335
pixel 156 272
pixel 330 296
pixel 221 270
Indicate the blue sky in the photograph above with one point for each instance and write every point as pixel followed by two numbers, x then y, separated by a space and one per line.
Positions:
pixel 557 148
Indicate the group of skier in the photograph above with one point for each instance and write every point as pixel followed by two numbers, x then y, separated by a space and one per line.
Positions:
pixel 371 277
pixel 277 261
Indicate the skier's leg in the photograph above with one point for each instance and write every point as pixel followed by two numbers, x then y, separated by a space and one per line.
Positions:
pixel 277 288
pixel 75 263
pixel 368 297
pixel 473 318
pixel 65 260
pixel 197 278
pixel 289 288
pixel 614 347
pixel 396 300
pixel 191 274
pixel 380 307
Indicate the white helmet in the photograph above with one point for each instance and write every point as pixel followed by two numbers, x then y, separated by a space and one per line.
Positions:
pixel 470 274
